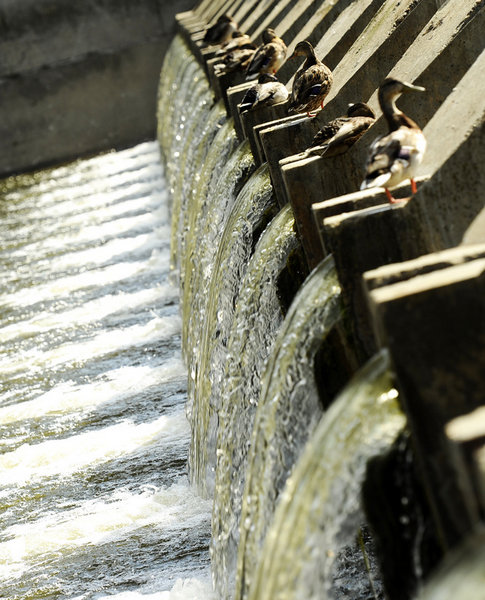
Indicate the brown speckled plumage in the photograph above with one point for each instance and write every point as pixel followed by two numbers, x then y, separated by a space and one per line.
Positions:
pixel 338 135
pixel 269 57
pixel 312 81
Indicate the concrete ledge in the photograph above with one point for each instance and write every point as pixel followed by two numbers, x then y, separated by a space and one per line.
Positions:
pixel 261 116
pixel 434 325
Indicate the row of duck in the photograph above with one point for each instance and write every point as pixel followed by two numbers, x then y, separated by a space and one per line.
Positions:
pixel 392 158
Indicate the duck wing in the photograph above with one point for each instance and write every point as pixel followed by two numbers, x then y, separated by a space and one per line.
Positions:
pixel 236 60
pixel 351 129
pixel 271 93
pixel 328 131
pixel 394 155
pixel 264 57
pixel 249 98
pixel 312 83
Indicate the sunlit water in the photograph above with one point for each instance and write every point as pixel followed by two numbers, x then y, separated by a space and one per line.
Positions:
pixel 94 497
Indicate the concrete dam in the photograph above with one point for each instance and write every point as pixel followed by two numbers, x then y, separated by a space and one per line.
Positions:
pixel 229 372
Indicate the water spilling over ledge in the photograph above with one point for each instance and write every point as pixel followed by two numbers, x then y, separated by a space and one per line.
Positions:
pixel 331 338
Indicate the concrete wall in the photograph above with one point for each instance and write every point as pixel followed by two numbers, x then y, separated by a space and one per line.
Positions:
pixel 79 77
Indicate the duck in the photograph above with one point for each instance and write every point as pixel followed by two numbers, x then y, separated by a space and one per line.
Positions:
pixel 237 60
pixel 269 57
pixel 338 135
pixel 237 41
pixel 266 92
pixel 221 31
pixel 395 156
pixel 312 81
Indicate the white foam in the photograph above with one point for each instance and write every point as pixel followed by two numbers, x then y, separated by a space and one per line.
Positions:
pixel 113 386
pixel 184 589
pixel 107 342
pixel 88 312
pixel 166 510
pixel 85 279
pixel 62 457
pixel 78 234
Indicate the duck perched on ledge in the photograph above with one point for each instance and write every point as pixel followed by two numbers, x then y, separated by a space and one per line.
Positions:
pixel 394 157
pixel 338 135
pixel 221 31
pixel 269 57
pixel 237 60
pixel 266 92
pixel 312 81
pixel 237 41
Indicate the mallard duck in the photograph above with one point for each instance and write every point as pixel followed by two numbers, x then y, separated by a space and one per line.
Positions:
pixel 269 57
pixel 237 41
pixel 337 136
pixel 266 92
pixel 395 157
pixel 312 82
pixel 221 31
pixel 237 60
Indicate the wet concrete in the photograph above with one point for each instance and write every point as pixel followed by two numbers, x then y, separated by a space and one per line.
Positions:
pixel 400 289
pixel 79 78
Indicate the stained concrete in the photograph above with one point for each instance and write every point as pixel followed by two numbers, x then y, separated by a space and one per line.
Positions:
pixel 433 321
pixel 312 180
pixel 384 32
pixel 78 78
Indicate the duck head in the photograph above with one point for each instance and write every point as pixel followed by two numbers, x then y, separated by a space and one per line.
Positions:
pixel 360 109
pixel 269 35
pixel 303 48
pixel 390 89
pixel 267 78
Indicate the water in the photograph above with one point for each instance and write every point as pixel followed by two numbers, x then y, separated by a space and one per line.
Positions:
pixel 288 411
pixel 254 206
pixel 94 496
pixel 257 319
pixel 314 548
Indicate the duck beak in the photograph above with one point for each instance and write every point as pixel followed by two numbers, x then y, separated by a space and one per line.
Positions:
pixel 409 87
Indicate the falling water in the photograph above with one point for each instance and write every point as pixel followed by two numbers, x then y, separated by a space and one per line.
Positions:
pixel 253 208
pixel 95 502
pixel 288 411
pixel 204 241
pixel 253 405
pixel 257 319
pixel 314 538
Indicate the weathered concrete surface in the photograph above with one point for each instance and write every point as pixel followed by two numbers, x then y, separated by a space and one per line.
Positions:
pixel 384 31
pixel 468 434
pixel 349 203
pixel 252 118
pixel 434 219
pixel 434 325
pixel 314 179
pixel 360 241
pixel 79 78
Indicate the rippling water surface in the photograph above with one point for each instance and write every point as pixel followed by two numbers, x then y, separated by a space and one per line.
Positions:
pixel 94 499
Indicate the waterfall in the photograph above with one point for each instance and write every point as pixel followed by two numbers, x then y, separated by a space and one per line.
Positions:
pixel 204 239
pixel 254 406
pixel 94 497
pixel 288 410
pixel 257 319
pixel 314 536
pixel 254 206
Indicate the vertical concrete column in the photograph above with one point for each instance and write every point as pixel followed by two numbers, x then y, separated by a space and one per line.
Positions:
pixel 431 315
pixel 252 118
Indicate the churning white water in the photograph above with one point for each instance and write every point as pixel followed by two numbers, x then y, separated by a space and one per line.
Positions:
pixel 94 497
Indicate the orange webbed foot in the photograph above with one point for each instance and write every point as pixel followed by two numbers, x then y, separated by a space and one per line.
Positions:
pixel 390 197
